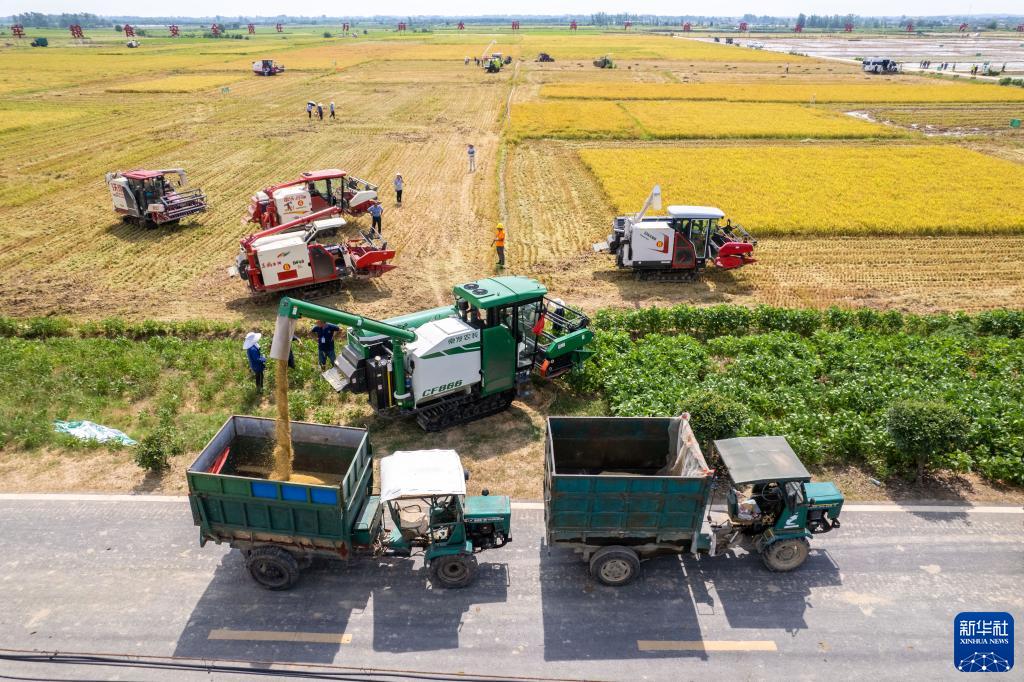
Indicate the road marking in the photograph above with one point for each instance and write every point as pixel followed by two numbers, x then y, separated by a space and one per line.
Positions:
pixel 882 507
pixel 276 636
pixel 707 645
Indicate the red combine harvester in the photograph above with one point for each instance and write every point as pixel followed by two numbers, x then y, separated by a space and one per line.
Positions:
pixel 678 246
pixel 288 256
pixel 150 197
pixel 311 192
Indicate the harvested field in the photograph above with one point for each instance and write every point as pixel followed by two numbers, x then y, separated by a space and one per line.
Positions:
pixel 824 190
pixel 910 91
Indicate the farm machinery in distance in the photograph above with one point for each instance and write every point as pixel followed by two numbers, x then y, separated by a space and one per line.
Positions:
pixel 312 191
pixel 267 67
pixel 453 364
pixel 289 255
pixel 151 197
pixel 678 246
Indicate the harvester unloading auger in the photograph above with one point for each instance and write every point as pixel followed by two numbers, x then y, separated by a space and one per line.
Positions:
pixel 288 256
pixel 452 364
pixel 678 246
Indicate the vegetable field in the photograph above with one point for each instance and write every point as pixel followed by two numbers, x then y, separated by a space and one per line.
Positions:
pixel 823 379
pixel 825 190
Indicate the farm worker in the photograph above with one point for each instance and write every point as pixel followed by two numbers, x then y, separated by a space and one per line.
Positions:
pixel 471 153
pixel 332 109
pixel 466 61
pixel 320 110
pixel 375 212
pixel 324 334
pixel 399 186
pixel 309 110
pixel 499 244
pixel 257 361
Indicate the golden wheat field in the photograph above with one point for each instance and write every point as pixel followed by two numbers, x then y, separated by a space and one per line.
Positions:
pixel 595 119
pixel 915 90
pixel 827 189
pixel 172 84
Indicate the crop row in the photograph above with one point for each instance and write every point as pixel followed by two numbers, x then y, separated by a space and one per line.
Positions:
pixel 578 119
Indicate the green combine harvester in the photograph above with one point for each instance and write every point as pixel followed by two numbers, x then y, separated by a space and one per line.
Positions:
pixel 453 364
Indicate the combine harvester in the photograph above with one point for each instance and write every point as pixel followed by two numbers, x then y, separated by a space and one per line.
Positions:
pixel 453 364
pixel 150 197
pixel 288 256
pixel 311 192
pixel 267 67
pixel 679 246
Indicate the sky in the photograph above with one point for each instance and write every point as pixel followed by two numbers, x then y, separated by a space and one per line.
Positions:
pixel 457 8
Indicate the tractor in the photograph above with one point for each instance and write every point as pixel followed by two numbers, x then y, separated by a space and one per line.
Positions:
pixel 152 197
pixel 678 246
pixel 453 364
pixel 312 191
pixel 289 256
pixel 604 62
pixel 267 67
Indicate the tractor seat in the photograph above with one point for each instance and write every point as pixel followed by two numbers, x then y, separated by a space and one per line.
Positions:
pixel 413 519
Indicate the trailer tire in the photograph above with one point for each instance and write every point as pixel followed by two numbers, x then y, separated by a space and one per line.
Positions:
pixel 615 566
pixel 273 568
pixel 786 555
pixel 453 571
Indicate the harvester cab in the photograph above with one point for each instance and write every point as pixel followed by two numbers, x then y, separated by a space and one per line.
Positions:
pixel 425 495
pixel 457 363
pixel 771 499
pixel 312 192
pixel 289 256
pixel 679 245
pixel 154 197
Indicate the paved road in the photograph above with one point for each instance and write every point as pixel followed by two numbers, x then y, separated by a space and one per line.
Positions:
pixel 876 597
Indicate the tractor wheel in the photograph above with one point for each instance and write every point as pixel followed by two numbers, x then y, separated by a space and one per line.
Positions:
pixel 273 568
pixel 453 570
pixel 786 555
pixel 615 566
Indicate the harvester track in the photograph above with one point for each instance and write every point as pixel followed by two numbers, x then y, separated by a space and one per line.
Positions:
pixel 666 275
pixel 462 410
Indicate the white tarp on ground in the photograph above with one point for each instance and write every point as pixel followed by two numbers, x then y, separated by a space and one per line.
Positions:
pixel 86 430
pixel 421 473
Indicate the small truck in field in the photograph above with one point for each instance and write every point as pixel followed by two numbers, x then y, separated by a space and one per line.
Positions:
pixel 327 507
pixel 620 489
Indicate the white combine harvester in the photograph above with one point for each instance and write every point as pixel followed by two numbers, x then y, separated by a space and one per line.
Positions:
pixel 677 246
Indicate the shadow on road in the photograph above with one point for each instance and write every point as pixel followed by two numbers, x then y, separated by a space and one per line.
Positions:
pixel 329 600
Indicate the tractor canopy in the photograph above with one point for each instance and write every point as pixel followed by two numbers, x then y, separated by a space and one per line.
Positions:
pixel 421 473
pixel 150 174
pixel 492 292
pixel 696 212
pixel 761 459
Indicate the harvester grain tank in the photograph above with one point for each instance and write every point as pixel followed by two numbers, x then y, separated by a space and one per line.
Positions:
pixel 154 197
pixel 618 490
pixel 311 192
pixel 267 67
pixel 289 256
pixel 679 245
pixel 452 364
pixel 328 509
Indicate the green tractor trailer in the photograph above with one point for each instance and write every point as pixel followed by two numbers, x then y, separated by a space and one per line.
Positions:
pixel 620 489
pixel 328 508
pixel 456 363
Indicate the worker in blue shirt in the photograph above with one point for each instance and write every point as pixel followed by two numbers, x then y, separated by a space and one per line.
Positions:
pixel 257 361
pixel 324 334
pixel 375 211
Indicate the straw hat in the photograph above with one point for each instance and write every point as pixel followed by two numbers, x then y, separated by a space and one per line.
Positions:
pixel 251 339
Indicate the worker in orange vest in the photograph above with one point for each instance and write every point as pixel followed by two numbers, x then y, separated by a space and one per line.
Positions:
pixel 499 244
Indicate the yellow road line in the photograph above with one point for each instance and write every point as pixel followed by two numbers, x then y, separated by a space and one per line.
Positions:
pixel 706 645
pixel 275 636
